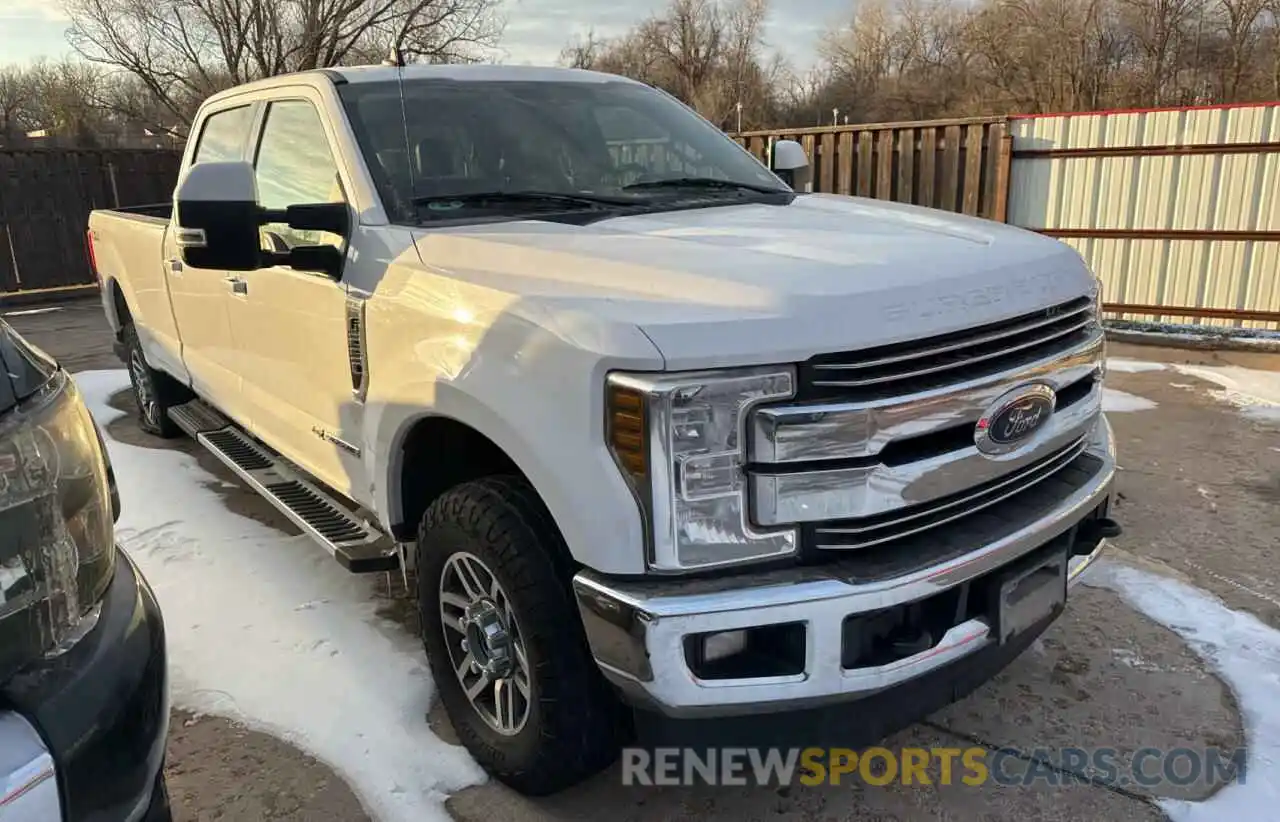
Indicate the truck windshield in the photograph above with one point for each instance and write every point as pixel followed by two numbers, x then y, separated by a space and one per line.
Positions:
pixel 589 143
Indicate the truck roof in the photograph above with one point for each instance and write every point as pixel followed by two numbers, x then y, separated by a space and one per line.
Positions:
pixel 466 72
pixel 476 72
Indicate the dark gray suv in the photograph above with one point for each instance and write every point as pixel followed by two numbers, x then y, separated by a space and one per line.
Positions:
pixel 83 682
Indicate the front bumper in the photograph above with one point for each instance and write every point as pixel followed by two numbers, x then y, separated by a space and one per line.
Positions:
pixel 84 737
pixel 637 629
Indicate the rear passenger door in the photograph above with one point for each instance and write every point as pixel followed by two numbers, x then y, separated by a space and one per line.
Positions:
pixel 200 296
pixel 290 326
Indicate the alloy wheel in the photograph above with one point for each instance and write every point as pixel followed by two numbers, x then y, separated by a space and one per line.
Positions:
pixel 486 649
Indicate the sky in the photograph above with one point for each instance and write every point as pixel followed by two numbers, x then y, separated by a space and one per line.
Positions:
pixel 536 29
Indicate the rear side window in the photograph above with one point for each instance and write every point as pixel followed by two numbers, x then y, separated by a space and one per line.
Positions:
pixel 223 136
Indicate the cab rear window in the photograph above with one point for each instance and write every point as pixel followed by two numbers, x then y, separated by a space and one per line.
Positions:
pixel 224 136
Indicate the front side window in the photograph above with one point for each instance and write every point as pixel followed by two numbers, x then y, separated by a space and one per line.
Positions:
pixel 223 136
pixel 295 166
pixel 616 142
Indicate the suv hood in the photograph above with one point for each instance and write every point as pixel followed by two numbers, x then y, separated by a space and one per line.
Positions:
pixel 23 368
pixel 758 283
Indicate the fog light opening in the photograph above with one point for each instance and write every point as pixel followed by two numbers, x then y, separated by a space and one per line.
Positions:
pixel 748 653
pixel 716 647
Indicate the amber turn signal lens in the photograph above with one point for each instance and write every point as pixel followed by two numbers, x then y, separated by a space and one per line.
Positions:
pixel 626 430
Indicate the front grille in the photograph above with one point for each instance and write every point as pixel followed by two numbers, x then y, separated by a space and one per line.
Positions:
pixel 914 551
pixel 865 532
pixel 904 368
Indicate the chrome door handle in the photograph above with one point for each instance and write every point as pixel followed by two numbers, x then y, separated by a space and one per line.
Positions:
pixel 175 266
pixel 238 286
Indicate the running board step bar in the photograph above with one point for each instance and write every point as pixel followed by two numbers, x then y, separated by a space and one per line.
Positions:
pixel 355 542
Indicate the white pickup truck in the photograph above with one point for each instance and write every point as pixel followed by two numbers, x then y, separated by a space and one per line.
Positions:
pixel 656 434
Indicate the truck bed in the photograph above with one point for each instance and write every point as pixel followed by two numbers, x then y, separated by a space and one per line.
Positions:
pixel 151 212
pixel 128 251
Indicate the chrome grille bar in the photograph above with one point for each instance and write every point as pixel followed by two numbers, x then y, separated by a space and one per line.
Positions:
pixel 852 429
pixel 988 345
pixel 879 530
pixel 933 369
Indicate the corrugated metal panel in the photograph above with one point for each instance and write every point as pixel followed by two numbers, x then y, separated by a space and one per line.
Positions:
pixel 1203 189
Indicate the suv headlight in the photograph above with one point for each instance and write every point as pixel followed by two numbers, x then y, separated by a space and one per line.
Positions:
pixel 57 548
pixel 680 441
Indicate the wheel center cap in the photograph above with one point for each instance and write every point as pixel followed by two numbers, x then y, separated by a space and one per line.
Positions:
pixel 487 639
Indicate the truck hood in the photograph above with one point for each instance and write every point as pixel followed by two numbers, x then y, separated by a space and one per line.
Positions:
pixel 756 283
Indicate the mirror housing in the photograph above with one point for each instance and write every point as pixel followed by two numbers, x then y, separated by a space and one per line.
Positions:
pixel 323 258
pixel 789 162
pixel 333 218
pixel 218 222
pixel 217 217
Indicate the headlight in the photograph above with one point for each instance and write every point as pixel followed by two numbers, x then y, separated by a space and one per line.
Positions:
pixel 679 439
pixel 57 549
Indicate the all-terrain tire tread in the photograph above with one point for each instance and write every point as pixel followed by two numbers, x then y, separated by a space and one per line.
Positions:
pixel 580 721
pixel 169 392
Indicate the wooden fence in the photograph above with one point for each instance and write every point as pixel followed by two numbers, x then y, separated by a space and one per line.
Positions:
pixel 957 165
pixel 1178 211
pixel 45 199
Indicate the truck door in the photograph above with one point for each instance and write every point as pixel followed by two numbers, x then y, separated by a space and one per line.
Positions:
pixel 200 296
pixel 290 327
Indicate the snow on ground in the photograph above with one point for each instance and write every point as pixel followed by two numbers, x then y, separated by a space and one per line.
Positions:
pixel 267 629
pixel 1247 655
pixel 1114 402
pixel 1256 393
pixel 1182 331
pixel 1132 366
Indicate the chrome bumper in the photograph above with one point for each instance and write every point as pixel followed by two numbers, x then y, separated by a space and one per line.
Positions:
pixel 637 629
pixel 30 789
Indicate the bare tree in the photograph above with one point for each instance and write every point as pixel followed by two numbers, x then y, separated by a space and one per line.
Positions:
pixel 66 103
pixel 1239 21
pixel 183 50
pixel 919 59
pixel 17 91
pixel 584 52
pixel 690 40
pixel 1159 30
pixel 709 53
pixel 1273 31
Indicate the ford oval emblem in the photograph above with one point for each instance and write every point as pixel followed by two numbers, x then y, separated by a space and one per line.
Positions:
pixel 1014 419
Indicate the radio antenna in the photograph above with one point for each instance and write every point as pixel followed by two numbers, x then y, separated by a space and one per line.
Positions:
pixel 396 59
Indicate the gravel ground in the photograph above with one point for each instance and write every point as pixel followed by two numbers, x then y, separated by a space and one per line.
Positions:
pixel 1199 498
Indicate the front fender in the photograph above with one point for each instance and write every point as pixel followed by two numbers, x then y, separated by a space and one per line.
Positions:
pixel 533 388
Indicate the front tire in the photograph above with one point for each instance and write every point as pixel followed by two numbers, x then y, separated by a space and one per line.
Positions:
pixel 504 640
pixel 154 392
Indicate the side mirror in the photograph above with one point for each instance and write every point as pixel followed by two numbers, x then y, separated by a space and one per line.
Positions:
pixel 218 222
pixel 217 216
pixel 789 162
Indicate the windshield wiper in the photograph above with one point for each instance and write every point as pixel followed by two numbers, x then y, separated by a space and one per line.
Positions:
pixel 703 183
pixel 444 202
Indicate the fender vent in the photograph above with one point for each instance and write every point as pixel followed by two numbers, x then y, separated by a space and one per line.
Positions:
pixel 355 346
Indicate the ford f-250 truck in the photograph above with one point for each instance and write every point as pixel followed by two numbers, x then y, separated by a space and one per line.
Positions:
pixel 651 428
